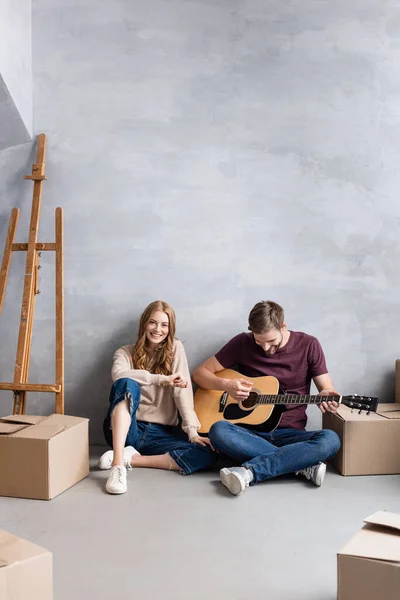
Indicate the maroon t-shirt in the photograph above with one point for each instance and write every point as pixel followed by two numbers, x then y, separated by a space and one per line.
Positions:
pixel 294 366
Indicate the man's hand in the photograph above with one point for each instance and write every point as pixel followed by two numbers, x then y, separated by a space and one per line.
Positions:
pixel 202 441
pixel 177 380
pixel 330 405
pixel 239 389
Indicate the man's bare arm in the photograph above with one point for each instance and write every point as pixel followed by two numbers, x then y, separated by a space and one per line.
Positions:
pixel 325 387
pixel 204 377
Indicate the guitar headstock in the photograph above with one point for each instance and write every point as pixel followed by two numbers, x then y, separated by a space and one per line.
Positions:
pixel 361 403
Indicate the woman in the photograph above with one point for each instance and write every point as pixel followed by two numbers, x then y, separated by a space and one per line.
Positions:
pixel 151 385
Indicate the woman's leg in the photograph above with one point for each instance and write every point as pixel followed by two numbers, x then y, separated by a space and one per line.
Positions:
pixel 160 461
pixel 165 447
pixel 120 423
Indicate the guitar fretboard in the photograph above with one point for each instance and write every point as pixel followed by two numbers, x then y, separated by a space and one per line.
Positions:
pixel 294 399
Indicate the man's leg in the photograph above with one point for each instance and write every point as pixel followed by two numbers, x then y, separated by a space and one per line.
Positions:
pixel 297 450
pixel 239 443
pixel 264 456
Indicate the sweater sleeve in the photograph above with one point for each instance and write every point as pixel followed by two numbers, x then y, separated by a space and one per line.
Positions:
pixel 183 397
pixel 122 367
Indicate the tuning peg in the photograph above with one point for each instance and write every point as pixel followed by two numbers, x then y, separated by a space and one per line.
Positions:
pixel 360 411
pixel 368 413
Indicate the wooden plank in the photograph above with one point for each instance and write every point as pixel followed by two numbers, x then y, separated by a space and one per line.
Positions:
pixel 42 247
pixel 60 310
pixel 28 295
pixel 5 266
pixel 30 387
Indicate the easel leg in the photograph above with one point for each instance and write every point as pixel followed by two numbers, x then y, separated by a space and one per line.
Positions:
pixel 17 410
pixel 60 310
pixel 5 266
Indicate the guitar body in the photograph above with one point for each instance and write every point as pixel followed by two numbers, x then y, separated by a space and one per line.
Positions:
pixel 214 405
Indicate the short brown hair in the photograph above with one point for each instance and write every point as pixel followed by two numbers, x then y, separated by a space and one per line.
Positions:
pixel 266 315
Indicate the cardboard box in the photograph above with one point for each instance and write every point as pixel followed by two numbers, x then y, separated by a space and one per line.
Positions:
pixel 369 564
pixel 26 570
pixel 370 443
pixel 397 392
pixel 40 457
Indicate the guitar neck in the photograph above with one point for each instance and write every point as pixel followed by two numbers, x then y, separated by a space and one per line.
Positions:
pixel 295 399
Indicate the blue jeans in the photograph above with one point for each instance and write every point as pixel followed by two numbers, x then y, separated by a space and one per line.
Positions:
pixel 276 453
pixel 152 438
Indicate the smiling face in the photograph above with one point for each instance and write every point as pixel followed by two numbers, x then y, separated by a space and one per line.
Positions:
pixel 270 341
pixel 157 328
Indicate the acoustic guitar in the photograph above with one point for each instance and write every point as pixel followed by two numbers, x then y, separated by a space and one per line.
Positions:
pixel 263 406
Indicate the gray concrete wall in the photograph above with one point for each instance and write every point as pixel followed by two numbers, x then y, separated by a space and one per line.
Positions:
pixel 214 154
pixel 16 122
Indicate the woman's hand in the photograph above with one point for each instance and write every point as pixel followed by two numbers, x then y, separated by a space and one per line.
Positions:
pixel 177 380
pixel 330 405
pixel 202 441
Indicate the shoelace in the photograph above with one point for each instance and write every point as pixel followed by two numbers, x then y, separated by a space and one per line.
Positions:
pixel 307 472
pixel 118 474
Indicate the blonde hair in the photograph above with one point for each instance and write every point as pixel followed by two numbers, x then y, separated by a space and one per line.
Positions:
pixel 161 362
pixel 266 315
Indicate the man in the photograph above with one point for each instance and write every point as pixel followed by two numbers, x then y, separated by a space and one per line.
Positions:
pixel 295 359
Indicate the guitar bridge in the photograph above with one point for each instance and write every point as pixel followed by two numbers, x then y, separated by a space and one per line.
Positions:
pixel 222 402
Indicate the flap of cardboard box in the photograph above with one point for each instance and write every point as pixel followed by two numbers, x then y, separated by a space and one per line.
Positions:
pixel 3 563
pixel 385 519
pixel 37 427
pixel 389 411
pixel 30 426
pixel 23 419
pixel 14 423
pixel 44 430
pixel 8 428
pixel 379 539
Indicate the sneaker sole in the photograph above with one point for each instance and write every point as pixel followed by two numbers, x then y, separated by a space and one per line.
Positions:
pixel 232 482
pixel 115 492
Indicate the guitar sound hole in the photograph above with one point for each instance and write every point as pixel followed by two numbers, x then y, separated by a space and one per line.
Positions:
pixel 251 401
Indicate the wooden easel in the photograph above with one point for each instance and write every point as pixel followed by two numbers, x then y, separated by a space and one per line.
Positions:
pixel 33 249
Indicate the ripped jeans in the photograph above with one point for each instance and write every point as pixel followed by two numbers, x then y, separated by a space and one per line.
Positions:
pixel 152 438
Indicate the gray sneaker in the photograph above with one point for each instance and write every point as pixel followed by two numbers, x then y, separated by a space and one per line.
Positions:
pixel 316 474
pixel 236 479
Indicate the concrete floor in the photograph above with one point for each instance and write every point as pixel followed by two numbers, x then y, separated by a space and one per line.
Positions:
pixel 176 537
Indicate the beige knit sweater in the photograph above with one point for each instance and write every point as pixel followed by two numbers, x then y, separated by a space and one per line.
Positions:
pixel 159 403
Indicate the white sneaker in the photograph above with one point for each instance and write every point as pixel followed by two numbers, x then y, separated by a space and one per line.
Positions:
pixel 236 479
pixel 116 482
pixel 105 461
pixel 316 474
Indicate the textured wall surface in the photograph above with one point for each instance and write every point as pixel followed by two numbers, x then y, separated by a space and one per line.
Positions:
pixel 15 72
pixel 213 155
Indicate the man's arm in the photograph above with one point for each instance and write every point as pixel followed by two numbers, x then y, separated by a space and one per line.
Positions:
pixel 325 387
pixel 205 378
